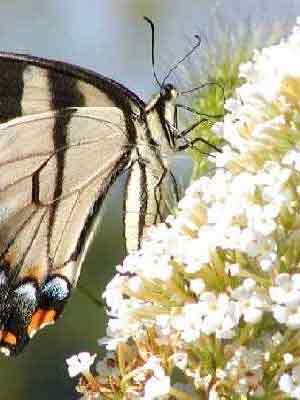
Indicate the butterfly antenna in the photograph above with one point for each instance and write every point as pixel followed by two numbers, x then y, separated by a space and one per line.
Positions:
pixel 188 54
pixel 203 86
pixel 196 112
pixel 153 48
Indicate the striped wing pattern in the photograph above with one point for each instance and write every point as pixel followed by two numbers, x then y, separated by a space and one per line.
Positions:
pixel 66 134
pixel 145 203
pixel 59 126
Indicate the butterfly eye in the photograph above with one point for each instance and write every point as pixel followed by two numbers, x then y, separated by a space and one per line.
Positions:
pixel 168 91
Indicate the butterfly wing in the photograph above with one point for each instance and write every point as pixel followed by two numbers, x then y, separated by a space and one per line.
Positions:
pixel 30 85
pixel 56 165
pixel 66 134
pixel 149 196
pixel 55 171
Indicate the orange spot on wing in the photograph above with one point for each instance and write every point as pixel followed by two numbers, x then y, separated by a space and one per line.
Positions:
pixel 9 259
pixel 40 319
pixel 35 321
pixel 49 317
pixel 9 338
pixel 35 272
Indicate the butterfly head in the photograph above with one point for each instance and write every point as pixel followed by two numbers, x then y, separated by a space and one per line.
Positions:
pixel 168 92
pixel 160 116
pixel 167 95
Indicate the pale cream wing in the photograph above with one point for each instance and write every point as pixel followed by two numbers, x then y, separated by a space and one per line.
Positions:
pixel 31 85
pixel 55 171
pixel 149 196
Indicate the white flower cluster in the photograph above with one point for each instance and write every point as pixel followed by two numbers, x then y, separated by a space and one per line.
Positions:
pixel 290 383
pixel 222 277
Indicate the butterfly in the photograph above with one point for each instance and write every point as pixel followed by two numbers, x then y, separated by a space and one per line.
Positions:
pixel 66 135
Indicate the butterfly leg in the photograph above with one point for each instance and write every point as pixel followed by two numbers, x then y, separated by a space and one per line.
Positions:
pixel 175 186
pixel 188 144
pixel 186 131
pixel 196 112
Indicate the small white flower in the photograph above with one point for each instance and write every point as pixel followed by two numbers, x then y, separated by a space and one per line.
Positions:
pixel 187 324
pixel 286 299
pixel 158 384
pixel 135 283
pixel 261 219
pixel 180 360
pixel 232 269
pixel 221 374
pixel 197 286
pixel 267 261
pixel 163 323
pixel 286 383
pixel 252 302
pixel 221 314
pixel 292 158
pixel 113 293
pixel 80 363
pixel 156 387
pixel 154 364
pixel 277 339
pixel 290 383
pixel 288 358
pixel 213 395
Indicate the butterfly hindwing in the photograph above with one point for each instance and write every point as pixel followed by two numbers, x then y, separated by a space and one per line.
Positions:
pixel 149 195
pixel 48 204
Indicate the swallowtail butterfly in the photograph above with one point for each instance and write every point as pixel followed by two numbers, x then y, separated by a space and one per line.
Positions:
pixel 66 135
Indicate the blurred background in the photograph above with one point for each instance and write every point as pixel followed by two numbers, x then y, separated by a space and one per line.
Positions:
pixel 111 37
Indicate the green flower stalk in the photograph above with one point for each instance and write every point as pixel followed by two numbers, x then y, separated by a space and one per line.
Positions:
pixel 209 307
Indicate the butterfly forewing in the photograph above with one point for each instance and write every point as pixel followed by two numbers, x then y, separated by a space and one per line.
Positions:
pixel 30 85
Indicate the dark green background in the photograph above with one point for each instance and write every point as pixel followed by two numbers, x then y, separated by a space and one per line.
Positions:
pixel 110 37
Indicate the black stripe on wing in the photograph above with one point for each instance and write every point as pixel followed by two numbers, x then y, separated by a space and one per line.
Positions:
pixel 64 77
pixel 95 209
pixel 109 86
pixel 135 205
pixel 72 95
pixel 143 199
pixel 11 89
pixel 34 289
